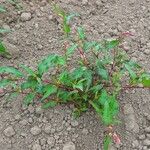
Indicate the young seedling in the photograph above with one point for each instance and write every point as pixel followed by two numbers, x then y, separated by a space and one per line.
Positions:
pixel 96 81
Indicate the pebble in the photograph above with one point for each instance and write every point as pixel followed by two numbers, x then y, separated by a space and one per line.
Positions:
pixel 36 147
pixel 35 130
pixel 31 109
pixel 135 144
pixel 26 16
pixel 142 137
pixel 39 110
pixel 128 109
pixel 147 129
pixel 47 128
pixel 17 117
pixel 147 51
pixel 84 2
pixel 85 131
pixel 146 142
pixel 74 123
pixel 69 146
pixel 9 131
pixel 51 141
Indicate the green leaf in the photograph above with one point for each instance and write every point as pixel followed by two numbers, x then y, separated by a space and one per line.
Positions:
pixel 28 70
pixel 4 83
pixel 49 104
pixel 4 30
pixel 3 51
pixel 2 9
pixel 66 28
pixel 70 16
pixel 50 61
pixel 11 70
pixel 96 106
pixel 71 49
pixel 89 45
pixel 81 33
pixel 146 82
pixel 145 79
pixel 112 44
pixel 131 72
pixel 65 78
pixel 96 88
pixel 107 117
pixel 64 95
pixel 29 84
pixel 48 90
pixel 59 11
pixel 103 98
pixel 107 142
pixel 29 98
pixel 103 73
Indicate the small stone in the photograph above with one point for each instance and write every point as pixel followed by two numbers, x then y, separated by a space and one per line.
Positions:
pixel 135 144
pixel 43 141
pixel 146 142
pixel 23 122
pixel 35 130
pixel 17 117
pixel 104 1
pixel 9 131
pixel 148 117
pixel 85 131
pixel 142 137
pixel 128 109
pixel 39 110
pixel 69 146
pixel 147 51
pixel 36 147
pixel 31 109
pixel 39 47
pixel 30 120
pixel 47 128
pixel 147 129
pixel 51 141
pixel 84 2
pixel 26 16
pixel 74 123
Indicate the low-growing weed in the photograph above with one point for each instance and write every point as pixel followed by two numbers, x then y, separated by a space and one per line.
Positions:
pixel 104 69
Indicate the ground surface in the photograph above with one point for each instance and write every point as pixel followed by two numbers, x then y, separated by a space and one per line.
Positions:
pixel 36 34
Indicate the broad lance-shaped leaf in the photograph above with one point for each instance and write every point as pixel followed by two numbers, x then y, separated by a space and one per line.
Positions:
pixel 29 98
pixel 81 33
pixel 70 16
pixel 107 142
pixel 4 82
pixel 145 79
pixel 28 70
pixel 131 72
pixel 49 104
pixel 29 84
pixel 4 30
pixel 112 44
pixel 11 70
pixel 50 61
pixel 48 90
pixel 3 50
pixel 2 9
pixel 71 49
